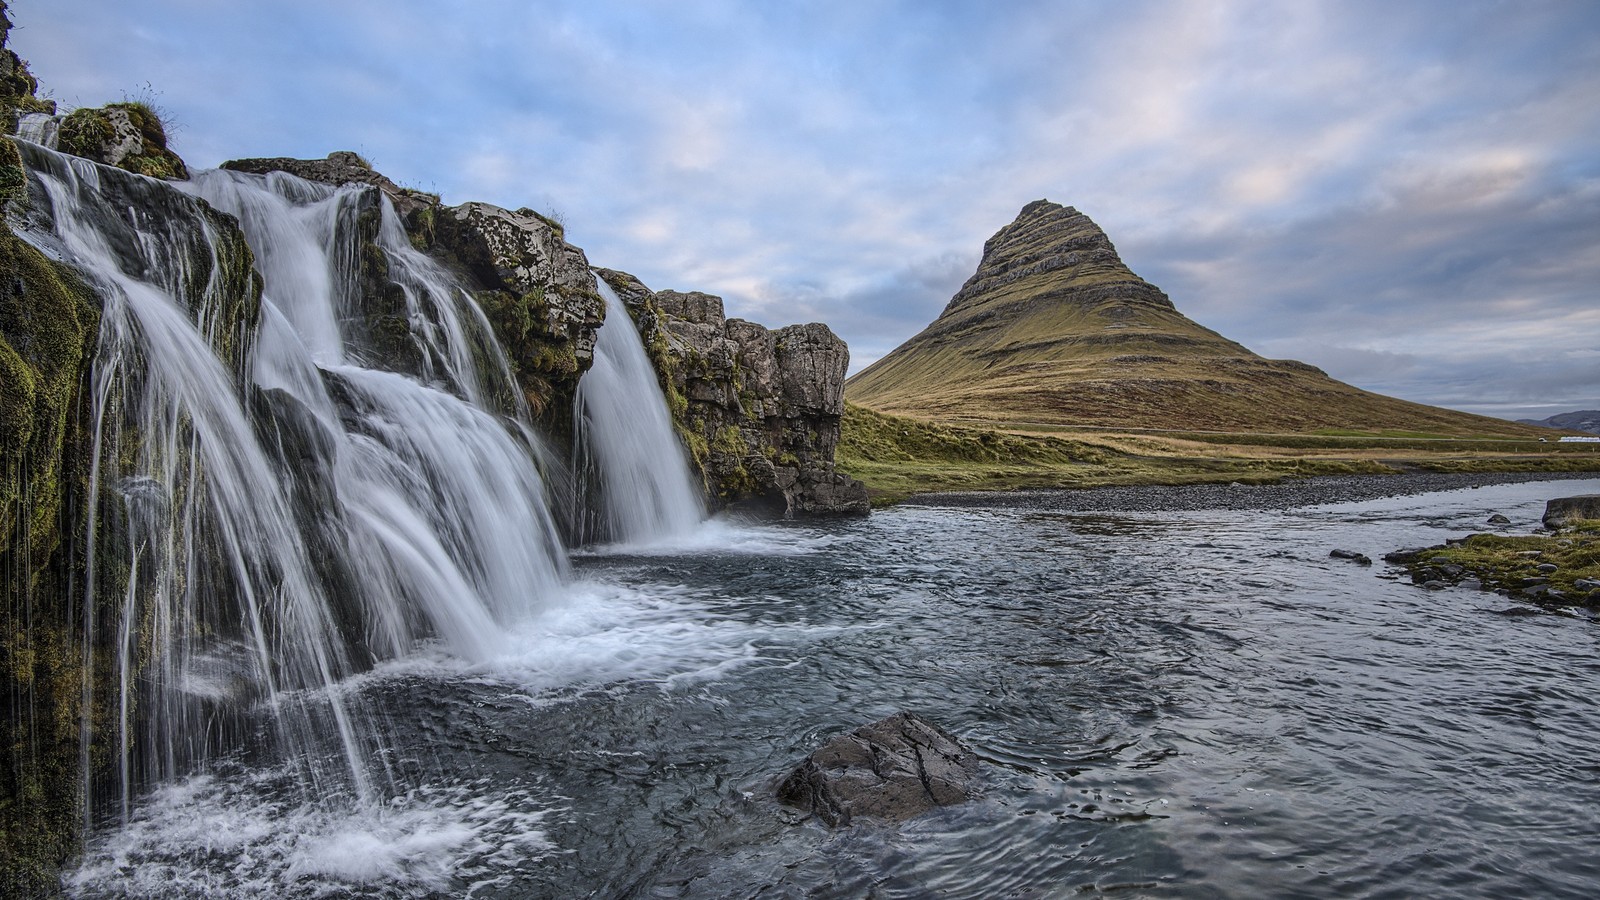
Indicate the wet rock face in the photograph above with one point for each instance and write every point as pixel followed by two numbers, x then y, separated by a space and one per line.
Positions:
pixel 526 255
pixel 341 167
pixel 893 770
pixel 760 408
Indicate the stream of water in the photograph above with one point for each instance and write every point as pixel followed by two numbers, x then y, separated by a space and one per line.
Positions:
pixel 1189 703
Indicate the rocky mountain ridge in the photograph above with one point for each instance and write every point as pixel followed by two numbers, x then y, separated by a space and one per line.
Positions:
pixel 1053 328
pixel 1586 420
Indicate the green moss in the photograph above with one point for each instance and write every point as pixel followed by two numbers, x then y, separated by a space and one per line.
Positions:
pixel 1512 563
pixel 13 177
pixel 48 323
pixel 84 131
pixel 87 132
pixel 420 227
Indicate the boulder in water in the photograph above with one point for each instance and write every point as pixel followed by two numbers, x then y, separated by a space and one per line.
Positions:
pixel 893 769
pixel 1360 559
pixel 1564 510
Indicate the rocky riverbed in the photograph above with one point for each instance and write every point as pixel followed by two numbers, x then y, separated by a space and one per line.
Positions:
pixel 1289 494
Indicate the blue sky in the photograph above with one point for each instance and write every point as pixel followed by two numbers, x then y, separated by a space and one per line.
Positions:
pixel 1406 194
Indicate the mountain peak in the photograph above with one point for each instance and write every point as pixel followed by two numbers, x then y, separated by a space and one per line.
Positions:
pixel 1048 242
pixel 1053 328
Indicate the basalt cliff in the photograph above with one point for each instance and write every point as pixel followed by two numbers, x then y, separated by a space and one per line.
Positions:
pixel 1054 329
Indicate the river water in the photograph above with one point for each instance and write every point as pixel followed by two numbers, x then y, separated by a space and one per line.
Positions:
pixel 1189 702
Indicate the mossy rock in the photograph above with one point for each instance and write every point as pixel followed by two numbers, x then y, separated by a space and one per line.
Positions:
pixel 126 135
pixel 48 323
pixel 13 177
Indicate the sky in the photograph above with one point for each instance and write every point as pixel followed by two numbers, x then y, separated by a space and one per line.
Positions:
pixel 1406 194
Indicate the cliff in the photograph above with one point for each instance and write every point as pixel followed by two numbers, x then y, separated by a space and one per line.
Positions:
pixel 1053 328
pixel 759 409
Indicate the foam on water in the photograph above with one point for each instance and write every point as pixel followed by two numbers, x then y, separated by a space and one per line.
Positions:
pixel 222 837
pixel 724 536
pixel 608 633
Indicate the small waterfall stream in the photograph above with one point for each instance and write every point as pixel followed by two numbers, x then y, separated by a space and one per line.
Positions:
pixel 646 490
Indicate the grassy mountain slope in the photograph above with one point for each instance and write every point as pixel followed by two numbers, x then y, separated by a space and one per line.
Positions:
pixel 1053 328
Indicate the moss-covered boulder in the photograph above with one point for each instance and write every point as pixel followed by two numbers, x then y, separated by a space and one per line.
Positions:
pixel 126 135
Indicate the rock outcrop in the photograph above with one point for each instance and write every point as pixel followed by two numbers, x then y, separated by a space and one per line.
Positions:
pixel 339 168
pixel 893 769
pixel 123 135
pixel 1562 511
pixel 760 409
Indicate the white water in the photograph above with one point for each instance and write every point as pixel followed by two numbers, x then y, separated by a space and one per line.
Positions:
pixel 39 128
pixel 286 532
pixel 647 493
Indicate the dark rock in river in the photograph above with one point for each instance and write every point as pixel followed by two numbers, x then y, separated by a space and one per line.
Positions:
pixel 1498 519
pixel 1360 559
pixel 1563 510
pixel 893 769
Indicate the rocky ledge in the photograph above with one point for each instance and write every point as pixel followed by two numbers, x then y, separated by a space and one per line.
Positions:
pixel 760 409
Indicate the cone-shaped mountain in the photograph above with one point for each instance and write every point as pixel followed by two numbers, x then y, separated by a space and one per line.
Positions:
pixel 1053 329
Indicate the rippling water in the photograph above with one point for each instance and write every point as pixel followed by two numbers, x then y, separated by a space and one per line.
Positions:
pixel 1192 703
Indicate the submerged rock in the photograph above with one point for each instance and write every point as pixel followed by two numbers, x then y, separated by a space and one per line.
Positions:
pixel 893 769
pixel 1360 559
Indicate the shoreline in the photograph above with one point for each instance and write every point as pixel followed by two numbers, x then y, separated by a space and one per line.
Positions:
pixel 1287 494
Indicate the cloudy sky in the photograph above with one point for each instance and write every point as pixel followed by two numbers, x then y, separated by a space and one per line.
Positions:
pixel 1406 194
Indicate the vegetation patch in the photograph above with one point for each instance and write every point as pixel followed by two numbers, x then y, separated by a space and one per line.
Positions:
pixel 1560 569
pixel 897 456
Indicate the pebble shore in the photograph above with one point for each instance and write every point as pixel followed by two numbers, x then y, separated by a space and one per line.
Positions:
pixel 1283 495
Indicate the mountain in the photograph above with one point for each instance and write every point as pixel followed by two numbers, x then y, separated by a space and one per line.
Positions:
pixel 1582 420
pixel 1054 329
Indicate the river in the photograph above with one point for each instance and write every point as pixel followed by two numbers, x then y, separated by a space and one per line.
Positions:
pixel 1171 702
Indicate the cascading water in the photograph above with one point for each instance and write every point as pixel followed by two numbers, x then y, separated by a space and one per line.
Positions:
pixel 646 490
pixel 285 511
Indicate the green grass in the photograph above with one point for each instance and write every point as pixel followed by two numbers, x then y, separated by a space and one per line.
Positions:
pixel 897 456
pixel 1504 562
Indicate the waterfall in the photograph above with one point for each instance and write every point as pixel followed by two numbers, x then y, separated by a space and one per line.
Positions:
pixel 646 490
pixel 39 128
pixel 281 497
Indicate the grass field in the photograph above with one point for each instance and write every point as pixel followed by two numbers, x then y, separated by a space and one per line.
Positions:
pixel 897 456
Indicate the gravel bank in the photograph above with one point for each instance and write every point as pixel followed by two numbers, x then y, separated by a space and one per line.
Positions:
pixel 1285 495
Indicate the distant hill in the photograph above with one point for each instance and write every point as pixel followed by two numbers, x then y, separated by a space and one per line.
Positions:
pixel 1582 420
pixel 1053 329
